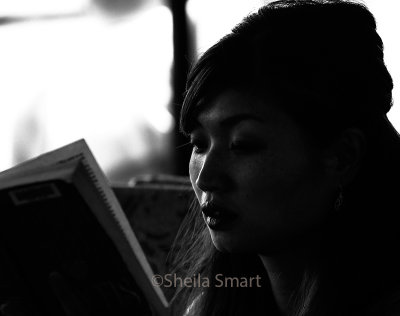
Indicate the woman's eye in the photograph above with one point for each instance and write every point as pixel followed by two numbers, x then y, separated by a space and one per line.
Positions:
pixel 244 146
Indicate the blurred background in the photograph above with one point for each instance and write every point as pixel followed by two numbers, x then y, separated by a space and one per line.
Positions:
pixel 113 72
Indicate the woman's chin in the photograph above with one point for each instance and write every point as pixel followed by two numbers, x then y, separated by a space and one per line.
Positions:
pixel 228 244
pixel 235 243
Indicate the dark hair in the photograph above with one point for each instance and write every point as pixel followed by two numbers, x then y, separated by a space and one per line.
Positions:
pixel 322 62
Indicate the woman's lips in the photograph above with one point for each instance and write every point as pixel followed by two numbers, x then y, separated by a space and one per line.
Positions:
pixel 217 217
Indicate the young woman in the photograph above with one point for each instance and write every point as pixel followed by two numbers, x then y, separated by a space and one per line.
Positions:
pixel 294 167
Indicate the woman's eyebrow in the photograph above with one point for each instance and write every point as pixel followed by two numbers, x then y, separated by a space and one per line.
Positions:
pixel 227 122
pixel 236 119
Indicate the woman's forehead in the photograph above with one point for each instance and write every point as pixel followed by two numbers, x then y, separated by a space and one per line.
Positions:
pixel 231 107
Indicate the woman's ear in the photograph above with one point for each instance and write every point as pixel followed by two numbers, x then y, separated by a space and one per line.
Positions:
pixel 343 158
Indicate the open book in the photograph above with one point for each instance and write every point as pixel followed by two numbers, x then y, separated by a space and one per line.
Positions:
pixel 66 244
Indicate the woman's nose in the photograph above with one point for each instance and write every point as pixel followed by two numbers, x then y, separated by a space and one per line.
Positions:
pixel 213 173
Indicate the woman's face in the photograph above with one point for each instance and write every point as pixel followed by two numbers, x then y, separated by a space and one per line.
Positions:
pixel 264 185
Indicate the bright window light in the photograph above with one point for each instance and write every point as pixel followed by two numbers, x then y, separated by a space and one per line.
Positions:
pixel 18 8
pixel 90 77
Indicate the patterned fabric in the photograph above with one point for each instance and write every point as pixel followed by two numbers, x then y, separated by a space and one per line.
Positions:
pixel 155 207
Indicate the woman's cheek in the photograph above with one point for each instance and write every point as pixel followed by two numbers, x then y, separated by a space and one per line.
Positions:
pixel 194 170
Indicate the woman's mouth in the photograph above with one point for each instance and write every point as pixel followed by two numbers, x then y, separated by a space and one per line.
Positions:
pixel 217 217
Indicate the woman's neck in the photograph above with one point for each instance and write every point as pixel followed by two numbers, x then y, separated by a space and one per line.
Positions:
pixel 285 271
